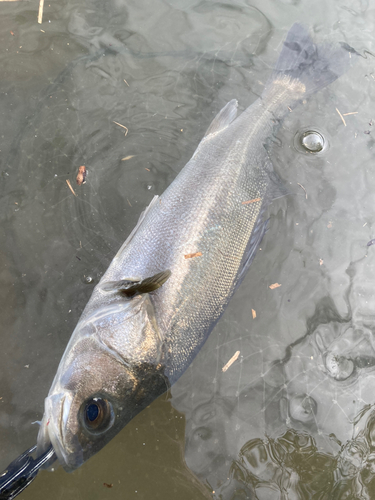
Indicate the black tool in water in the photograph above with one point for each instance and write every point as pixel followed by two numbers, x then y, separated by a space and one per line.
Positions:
pixel 22 471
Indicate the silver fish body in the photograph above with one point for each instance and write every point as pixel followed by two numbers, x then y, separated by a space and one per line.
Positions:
pixel 205 229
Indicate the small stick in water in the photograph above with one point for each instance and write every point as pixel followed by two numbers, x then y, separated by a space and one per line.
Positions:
pixel 70 187
pixel 40 13
pixel 123 126
pixel 251 201
pixel 300 185
pixel 191 255
pixel 231 361
pixel 342 118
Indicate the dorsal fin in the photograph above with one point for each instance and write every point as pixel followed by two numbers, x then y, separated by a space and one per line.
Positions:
pixel 224 118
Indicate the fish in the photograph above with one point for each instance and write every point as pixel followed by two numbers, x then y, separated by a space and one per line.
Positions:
pixel 173 277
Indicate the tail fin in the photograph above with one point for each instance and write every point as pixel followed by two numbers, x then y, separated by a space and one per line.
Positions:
pixel 315 66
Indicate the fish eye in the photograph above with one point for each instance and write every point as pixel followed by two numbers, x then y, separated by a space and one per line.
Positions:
pixel 97 415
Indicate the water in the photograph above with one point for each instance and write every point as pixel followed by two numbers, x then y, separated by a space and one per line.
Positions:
pixel 284 421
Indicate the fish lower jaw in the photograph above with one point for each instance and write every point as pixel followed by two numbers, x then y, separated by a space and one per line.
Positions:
pixel 51 433
pixel 69 461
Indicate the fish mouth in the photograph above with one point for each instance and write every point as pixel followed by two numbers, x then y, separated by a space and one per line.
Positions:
pixel 53 432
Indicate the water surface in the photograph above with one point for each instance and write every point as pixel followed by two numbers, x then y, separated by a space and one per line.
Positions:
pixel 293 416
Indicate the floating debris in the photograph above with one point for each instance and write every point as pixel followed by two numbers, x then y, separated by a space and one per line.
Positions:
pixel 70 187
pixel 300 185
pixel 123 126
pixel 251 201
pixel 321 262
pixel 368 132
pixel 231 361
pixel 371 242
pixel 40 12
pixel 81 176
pixel 342 118
pixel 108 485
pixel 192 255
pixel 275 285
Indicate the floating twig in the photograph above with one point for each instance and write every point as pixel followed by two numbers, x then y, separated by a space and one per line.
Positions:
pixel 40 12
pixel 192 255
pixel 70 187
pixel 251 201
pixel 352 113
pixel 127 157
pixel 342 118
pixel 126 83
pixel 300 185
pixel 254 313
pixel 123 126
pixel 231 361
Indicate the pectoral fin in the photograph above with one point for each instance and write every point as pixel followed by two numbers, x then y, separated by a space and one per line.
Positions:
pixel 129 287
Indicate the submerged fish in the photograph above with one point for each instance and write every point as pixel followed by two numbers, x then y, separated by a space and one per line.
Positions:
pixel 175 274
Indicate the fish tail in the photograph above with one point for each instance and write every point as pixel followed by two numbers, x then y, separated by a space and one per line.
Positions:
pixel 307 66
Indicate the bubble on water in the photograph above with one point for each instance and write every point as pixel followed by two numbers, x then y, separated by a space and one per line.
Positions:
pixel 302 408
pixel 312 141
pixel 339 367
pixel 149 186
pixel 88 280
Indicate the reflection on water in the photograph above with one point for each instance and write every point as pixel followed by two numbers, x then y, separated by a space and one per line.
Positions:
pixel 292 466
pixel 293 416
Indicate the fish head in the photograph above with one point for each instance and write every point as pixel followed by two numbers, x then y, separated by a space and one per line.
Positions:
pixel 110 371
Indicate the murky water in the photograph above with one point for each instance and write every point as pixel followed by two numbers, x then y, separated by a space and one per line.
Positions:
pixel 293 416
